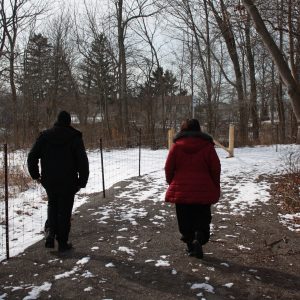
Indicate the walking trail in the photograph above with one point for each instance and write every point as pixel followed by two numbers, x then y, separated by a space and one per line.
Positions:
pixel 127 246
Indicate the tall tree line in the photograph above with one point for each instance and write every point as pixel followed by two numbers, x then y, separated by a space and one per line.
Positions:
pixel 102 66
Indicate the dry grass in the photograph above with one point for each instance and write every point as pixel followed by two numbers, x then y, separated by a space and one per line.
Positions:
pixel 286 191
pixel 286 188
pixel 18 181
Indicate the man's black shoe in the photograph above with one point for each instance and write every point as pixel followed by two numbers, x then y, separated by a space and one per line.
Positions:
pixel 65 247
pixel 190 247
pixel 49 243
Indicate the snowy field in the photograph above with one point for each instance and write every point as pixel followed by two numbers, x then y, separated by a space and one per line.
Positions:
pixel 27 211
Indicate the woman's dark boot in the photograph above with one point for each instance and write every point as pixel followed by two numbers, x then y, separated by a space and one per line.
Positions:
pixel 196 246
pixel 197 249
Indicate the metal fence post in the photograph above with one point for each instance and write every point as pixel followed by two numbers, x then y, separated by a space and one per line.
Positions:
pixel 277 137
pixel 102 168
pixel 140 148
pixel 6 200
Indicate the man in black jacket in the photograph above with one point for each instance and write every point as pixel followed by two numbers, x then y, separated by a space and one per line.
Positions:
pixel 64 171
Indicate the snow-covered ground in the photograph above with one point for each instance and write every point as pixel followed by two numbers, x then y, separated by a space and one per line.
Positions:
pixel 28 209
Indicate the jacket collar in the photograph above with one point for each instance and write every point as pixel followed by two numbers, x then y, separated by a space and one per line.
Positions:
pixel 196 134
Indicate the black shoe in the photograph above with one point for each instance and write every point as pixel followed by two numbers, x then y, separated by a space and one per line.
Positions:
pixel 197 250
pixel 65 247
pixel 190 247
pixel 49 243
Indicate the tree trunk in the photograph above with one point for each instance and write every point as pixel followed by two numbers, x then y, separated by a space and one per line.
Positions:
pixel 253 90
pixel 122 70
pixel 283 68
pixel 281 115
pixel 228 36
pixel 14 98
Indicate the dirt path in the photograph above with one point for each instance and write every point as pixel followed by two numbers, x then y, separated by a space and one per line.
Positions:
pixel 127 247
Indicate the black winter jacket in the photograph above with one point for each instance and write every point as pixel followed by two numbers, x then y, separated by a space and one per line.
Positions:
pixel 64 163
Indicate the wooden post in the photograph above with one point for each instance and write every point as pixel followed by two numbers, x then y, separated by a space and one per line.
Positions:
pixel 230 148
pixel 231 140
pixel 171 133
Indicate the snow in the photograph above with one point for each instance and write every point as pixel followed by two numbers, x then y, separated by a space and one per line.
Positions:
pixel 127 250
pixel 27 210
pixel 83 261
pixel 204 286
pixel 36 291
pixel 241 247
pixel 66 274
pixel 87 274
pixel 110 265
pixel 225 265
pixel 162 263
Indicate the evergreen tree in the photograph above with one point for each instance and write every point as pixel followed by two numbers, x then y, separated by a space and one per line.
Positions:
pixel 98 77
pixel 37 79
pixel 160 84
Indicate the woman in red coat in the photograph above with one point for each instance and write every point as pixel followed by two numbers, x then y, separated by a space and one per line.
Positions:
pixel 193 174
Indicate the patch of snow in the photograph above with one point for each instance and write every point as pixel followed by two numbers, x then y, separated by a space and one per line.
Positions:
pixel 162 263
pixel 110 265
pixel 241 247
pixel 87 274
pixel 66 274
pixel 127 250
pixel 83 261
pixel 225 264
pixel 37 290
pixel 204 286
pixel 288 220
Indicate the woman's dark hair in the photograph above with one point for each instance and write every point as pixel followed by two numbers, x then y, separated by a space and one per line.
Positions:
pixel 184 125
pixel 190 125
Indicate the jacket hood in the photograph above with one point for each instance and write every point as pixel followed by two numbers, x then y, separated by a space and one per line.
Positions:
pixel 61 134
pixel 192 142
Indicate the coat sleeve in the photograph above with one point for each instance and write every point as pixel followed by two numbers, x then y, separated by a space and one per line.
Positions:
pixel 33 159
pixel 170 164
pixel 82 163
pixel 215 166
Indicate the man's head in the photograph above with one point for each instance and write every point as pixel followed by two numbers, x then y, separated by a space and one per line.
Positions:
pixel 64 118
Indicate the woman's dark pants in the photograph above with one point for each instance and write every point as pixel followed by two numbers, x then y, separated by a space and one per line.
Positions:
pixel 194 222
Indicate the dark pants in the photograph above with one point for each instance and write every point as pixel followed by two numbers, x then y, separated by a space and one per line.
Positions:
pixel 194 222
pixel 59 215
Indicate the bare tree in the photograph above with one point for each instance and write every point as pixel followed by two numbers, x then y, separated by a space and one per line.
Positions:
pixel 225 26
pixel 15 15
pixel 283 67
pixel 253 89
pixel 125 14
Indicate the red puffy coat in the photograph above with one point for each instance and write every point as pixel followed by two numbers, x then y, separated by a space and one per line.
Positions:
pixel 193 170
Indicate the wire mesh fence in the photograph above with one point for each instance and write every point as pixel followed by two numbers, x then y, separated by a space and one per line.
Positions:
pixel 22 208
pixel 23 216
